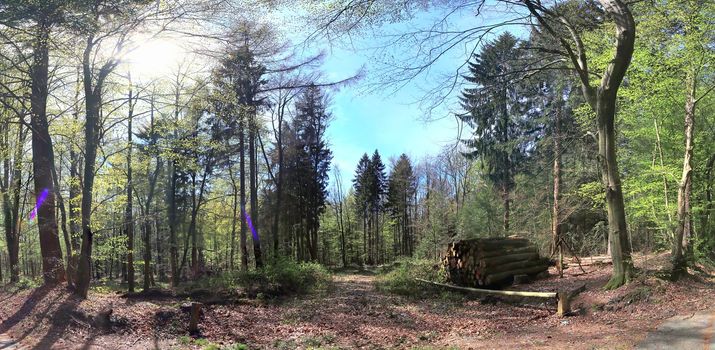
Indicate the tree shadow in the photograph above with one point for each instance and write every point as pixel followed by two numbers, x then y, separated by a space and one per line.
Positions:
pixel 61 320
pixel 27 307
pixel 37 304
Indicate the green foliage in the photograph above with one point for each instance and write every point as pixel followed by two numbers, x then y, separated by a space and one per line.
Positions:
pixel 284 276
pixel 28 283
pixel 401 280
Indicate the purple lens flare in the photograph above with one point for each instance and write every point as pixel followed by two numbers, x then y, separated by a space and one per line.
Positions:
pixel 250 225
pixel 40 199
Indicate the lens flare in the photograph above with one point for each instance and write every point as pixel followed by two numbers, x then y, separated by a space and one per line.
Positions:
pixel 250 225
pixel 40 199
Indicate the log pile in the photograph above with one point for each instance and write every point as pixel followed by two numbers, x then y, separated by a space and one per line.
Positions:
pixel 492 262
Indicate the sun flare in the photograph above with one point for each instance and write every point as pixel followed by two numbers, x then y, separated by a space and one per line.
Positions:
pixel 156 57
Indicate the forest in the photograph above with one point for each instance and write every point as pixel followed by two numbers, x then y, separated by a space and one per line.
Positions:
pixel 182 174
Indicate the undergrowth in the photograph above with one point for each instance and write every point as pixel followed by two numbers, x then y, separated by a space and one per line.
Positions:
pixel 400 279
pixel 278 278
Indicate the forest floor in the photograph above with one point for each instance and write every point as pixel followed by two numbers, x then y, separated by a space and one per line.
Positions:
pixel 354 314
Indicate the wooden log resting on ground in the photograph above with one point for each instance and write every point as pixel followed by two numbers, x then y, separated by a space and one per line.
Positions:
pixel 564 297
pixel 514 293
pixel 497 277
pixel 505 259
pixel 488 253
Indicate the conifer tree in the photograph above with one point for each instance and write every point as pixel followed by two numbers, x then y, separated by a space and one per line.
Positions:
pixel 497 113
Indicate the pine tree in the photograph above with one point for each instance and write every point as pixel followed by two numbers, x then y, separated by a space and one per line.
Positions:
pixel 310 123
pixel 402 185
pixel 362 184
pixel 496 111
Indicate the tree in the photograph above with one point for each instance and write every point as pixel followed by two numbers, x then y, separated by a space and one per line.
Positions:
pixel 362 182
pixel 495 109
pixel 309 124
pixel 690 21
pixel 129 211
pixel 149 137
pixel 105 19
pixel 39 19
pixel 402 185
pixel 241 76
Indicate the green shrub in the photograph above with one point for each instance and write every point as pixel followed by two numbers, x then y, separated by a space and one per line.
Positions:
pixel 28 283
pixel 401 279
pixel 284 277
pixel 279 278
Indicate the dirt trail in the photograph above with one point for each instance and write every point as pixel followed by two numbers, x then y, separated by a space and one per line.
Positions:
pixel 683 332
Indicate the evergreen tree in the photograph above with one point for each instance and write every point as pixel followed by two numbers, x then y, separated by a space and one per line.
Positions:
pixel 496 109
pixel 361 184
pixel 310 123
pixel 402 185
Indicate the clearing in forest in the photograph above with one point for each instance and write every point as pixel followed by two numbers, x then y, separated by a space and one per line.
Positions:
pixel 354 313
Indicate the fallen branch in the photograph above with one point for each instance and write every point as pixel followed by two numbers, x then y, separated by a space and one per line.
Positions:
pixel 515 293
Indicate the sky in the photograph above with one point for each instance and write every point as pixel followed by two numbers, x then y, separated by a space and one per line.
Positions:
pixel 368 115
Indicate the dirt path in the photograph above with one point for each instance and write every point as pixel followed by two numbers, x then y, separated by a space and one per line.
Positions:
pixel 683 332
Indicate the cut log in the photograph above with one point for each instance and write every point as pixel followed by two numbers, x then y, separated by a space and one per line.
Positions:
pixel 521 279
pixel 505 259
pixel 517 265
pixel 564 305
pixel 488 253
pixel 470 262
pixel 514 293
pixel 501 276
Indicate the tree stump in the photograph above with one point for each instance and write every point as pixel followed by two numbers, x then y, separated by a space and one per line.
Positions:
pixel 564 305
pixel 195 315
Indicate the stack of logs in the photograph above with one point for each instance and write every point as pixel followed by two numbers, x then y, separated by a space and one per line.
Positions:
pixel 492 262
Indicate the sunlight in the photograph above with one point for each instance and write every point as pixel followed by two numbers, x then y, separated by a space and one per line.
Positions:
pixel 155 57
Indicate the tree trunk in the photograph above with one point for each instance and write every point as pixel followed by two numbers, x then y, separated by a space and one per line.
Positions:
pixel 242 181
pixel 253 165
pixel 91 125
pixel 235 215
pixel 683 235
pixel 617 228
pixel 74 193
pixel 12 180
pixel 128 215
pixel 43 160
pixel 556 215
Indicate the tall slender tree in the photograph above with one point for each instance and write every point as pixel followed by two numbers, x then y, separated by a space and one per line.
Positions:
pixel 495 109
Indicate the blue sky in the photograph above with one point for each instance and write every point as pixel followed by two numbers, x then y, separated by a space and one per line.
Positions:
pixel 394 121
pixel 366 118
